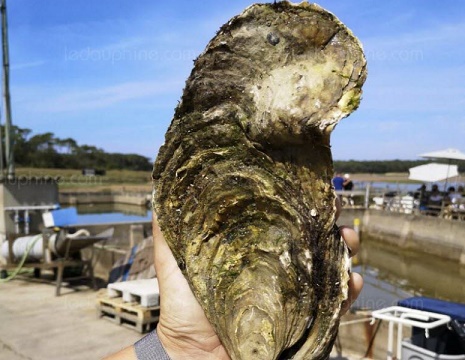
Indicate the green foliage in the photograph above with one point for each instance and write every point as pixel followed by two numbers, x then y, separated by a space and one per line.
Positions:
pixel 382 167
pixel 47 151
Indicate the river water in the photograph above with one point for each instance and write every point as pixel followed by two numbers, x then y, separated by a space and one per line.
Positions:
pixel 391 274
pixel 90 214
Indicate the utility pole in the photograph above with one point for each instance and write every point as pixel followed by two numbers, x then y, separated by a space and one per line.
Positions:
pixel 1 154
pixel 10 166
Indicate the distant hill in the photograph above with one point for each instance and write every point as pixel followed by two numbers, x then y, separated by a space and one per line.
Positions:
pixel 48 151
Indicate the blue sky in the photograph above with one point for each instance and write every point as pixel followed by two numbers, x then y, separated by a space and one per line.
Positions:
pixel 109 73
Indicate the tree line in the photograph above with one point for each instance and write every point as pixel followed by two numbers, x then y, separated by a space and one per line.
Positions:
pixel 383 167
pixel 48 151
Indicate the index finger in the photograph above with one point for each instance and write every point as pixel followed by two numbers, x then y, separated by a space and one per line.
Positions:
pixel 351 238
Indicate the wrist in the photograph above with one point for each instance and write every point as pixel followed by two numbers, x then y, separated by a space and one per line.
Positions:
pixel 172 346
pixel 189 347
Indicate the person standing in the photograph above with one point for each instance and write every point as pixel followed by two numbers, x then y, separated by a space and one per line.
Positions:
pixel 347 184
pixel 338 182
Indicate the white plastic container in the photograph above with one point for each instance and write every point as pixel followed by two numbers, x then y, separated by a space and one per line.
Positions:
pixel 413 352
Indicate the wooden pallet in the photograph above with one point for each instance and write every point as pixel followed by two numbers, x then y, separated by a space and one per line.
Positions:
pixel 131 315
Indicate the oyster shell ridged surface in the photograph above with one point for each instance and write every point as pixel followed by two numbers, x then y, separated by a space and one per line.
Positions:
pixel 242 185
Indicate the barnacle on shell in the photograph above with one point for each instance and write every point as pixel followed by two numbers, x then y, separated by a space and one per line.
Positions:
pixel 243 183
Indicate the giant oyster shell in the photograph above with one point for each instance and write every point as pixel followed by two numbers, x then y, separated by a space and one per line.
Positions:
pixel 243 183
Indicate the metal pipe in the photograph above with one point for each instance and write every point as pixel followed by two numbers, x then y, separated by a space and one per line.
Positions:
pixel 1 151
pixel 400 329
pixel 16 221
pixel 27 220
pixel 390 344
pixel 6 94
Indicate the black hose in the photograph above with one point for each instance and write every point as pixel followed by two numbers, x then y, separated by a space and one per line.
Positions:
pixel 372 340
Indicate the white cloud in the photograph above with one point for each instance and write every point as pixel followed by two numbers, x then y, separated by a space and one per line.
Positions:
pixel 441 35
pixel 31 64
pixel 79 100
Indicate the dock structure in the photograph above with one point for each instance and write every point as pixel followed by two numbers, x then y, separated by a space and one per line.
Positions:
pixel 66 327
pixel 38 326
pixel 129 198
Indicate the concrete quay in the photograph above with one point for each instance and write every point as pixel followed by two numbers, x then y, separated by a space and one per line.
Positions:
pixel 130 198
pixel 414 232
pixel 36 325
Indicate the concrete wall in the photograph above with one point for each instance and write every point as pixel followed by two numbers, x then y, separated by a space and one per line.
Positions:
pixel 102 198
pixel 441 237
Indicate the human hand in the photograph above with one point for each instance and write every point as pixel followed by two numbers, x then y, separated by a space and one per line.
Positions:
pixel 355 281
pixel 352 240
pixel 183 328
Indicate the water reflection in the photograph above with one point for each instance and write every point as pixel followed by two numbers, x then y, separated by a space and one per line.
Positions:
pixel 392 274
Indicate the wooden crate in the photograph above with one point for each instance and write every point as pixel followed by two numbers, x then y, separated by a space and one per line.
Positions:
pixel 131 315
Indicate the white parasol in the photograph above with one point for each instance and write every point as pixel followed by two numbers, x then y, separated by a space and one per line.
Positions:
pixel 447 154
pixel 433 172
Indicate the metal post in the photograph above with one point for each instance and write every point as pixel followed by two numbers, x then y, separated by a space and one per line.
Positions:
pixel 10 167
pixel 367 196
pixel 390 344
pixel 399 341
pixel 357 225
pixel 27 220
pixel 16 221
pixel 1 152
